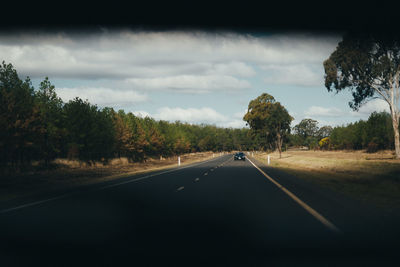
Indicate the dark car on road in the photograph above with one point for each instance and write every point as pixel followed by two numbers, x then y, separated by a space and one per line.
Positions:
pixel 239 156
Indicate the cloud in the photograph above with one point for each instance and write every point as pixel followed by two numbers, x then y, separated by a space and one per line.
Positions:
pixel 234 124
pixel 334 116
pixel 190 83
pixel 205 115
pixel 316 111
pixel 365 110
pixel 191 115
pixel 102 96
pixel 377 105
pixel 231 68
pixel 240 115
pixel 211 59
pixel 141 114
pixel 297 74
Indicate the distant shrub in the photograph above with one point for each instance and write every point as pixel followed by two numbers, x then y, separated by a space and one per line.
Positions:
pixel 324 143
pixel 372 147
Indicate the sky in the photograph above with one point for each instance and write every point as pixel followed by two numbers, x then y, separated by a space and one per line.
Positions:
pixel 193 76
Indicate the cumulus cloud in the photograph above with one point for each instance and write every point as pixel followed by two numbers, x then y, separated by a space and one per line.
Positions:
pixel 316 111
pixel 231 68
pixel 334 116
pixel 365 110
pixel 127 54
pixel 190 83
pixel 102 96
pixel 205 115
pixel 196 116
pixel 240 115
pixel 123 67
pixel 234 124
pixel 191 115
pixel 297 74
pixel 377 105
pixel 142 113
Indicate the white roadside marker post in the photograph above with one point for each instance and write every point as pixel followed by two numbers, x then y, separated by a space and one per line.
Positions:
pixel 179 161
pixel 269 159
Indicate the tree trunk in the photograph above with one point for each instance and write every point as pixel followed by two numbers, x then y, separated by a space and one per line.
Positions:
pixel 395 123
pixel 279 144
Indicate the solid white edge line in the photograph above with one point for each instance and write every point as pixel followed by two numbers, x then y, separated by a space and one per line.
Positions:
pixel 34 203
pixel 104 187
pixel 310 210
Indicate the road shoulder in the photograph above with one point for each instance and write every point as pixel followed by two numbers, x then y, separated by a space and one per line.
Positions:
pixel 349 214
pixel 50 193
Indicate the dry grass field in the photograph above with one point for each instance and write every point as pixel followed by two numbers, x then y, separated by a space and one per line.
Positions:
pixel 374 178
pixel 70 174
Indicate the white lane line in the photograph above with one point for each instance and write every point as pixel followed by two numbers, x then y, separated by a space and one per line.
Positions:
pixel 310 210
pixel 206 174
pixel 151 175
pixel 180 188
pixel 34 203
pixel 197 179
pixel 103 187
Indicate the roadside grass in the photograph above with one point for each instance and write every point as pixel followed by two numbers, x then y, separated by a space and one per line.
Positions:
pixel 372 178
pixel 68 174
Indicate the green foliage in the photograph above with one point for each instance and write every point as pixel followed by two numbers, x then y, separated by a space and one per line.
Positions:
pixel 374 134
pixel 51 118
pixel 306 133
pixel 37 125
pixel 379 130
pixel 363 62
pixel 269 120
pixel 90 134
pixel 296 140
pixel 324 131
pixel 19 118
pixel 368 65
pixel 306 128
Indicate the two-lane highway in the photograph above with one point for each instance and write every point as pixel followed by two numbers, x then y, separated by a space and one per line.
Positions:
pixel 219 212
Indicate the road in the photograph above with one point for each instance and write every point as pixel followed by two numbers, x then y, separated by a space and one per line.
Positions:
pixel 216 213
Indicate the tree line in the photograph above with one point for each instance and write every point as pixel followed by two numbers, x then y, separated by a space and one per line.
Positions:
pixel 371 135
pixel 270 123
pixel 37 125
pixel 367 64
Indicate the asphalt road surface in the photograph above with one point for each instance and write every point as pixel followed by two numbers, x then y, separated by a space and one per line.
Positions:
pixel 216 213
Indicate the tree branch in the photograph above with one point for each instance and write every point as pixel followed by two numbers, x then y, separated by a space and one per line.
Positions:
pixel 373 86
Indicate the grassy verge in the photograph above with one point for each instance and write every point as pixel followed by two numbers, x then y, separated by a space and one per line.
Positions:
pixel 69 174
pixel 373 178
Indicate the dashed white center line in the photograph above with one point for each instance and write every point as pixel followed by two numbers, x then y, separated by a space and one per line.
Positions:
pixel 102 188
pixel 206 174
pixel 180 188
pixel 197 179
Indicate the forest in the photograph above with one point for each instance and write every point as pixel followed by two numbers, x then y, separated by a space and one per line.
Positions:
pixel 36 125
pixel 371 135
